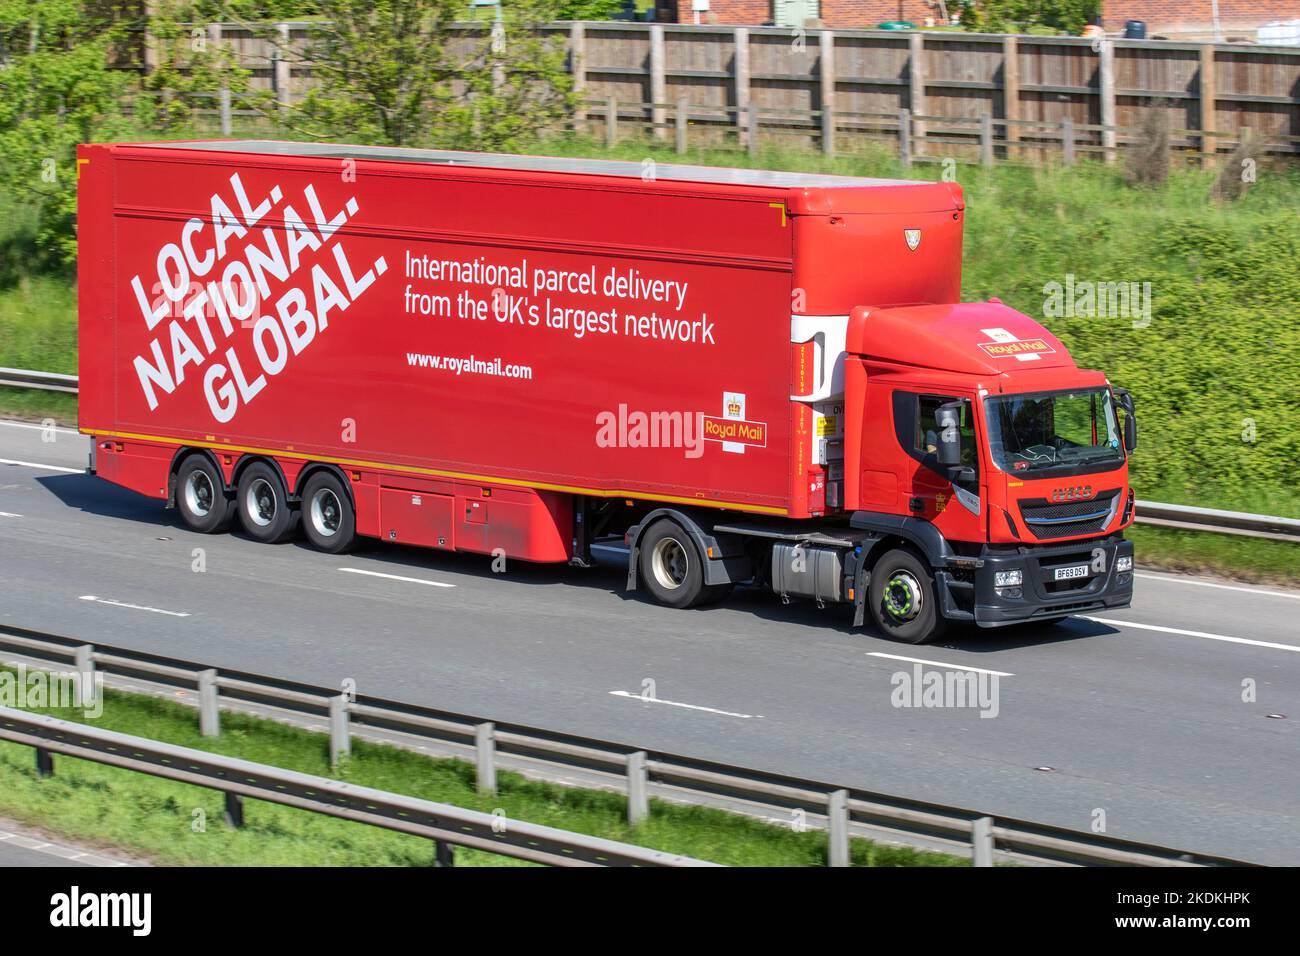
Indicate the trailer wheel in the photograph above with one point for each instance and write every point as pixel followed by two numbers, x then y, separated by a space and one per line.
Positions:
pixel 328 519
pixel 201 496
pixel 264 509
pixel 670 564
pixel 903 599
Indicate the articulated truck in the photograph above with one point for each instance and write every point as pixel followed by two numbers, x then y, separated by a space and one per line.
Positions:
pixel 735 377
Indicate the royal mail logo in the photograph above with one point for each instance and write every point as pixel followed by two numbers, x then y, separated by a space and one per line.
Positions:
pixel 1019 348
pixel 733 409
pixel 735 431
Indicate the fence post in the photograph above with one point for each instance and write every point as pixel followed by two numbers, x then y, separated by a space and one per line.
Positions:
pixel 1067 141
pixel 340 738
pixel 827 71
pixel 443 854
pixel 611 123
pixel 837 812
pixel 916 85
pixel 44 763
pixel 578 69
pixel 1209 119
pixel 658 81
pixel 740 67
pixel 1010 92
pixel 905 137
pixel 638 800
pixel 1106 69
pixel 224 99
pixel 485 749
pixel 679 125
pixel 282 74
pixel 986 139
pixel 981 841
pixel 209 716
pixel 752 124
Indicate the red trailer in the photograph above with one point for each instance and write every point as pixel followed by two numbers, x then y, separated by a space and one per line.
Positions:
pixel 749 376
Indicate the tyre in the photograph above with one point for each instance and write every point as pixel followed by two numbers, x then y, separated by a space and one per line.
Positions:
pixel 201 496
pixel 670 564
pixel 903 599
pixel 329 521
pixel 263 505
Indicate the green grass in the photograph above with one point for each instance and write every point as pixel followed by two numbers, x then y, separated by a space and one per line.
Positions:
pixel 155 818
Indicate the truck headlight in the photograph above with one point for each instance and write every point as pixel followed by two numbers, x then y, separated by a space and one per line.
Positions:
pixel 1124 563
pixel 1008 579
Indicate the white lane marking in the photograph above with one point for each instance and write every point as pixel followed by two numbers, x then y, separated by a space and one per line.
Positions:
pixel 673 703
pixel 37 464
pixel 951 667
pixel 40 428
pixel 133 607
pixel 1209 637
pixel 1222 587
pixel 9 514
pixel 398 577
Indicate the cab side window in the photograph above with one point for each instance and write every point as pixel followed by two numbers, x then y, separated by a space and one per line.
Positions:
pixel 918 431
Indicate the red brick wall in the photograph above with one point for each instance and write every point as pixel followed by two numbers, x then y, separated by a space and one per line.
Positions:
pixel 1196 16
pixel 835 13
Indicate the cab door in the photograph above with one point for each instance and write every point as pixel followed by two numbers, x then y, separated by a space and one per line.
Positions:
pixel 958 508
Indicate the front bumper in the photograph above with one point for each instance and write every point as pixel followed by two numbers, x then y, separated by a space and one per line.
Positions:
pixel 1041 595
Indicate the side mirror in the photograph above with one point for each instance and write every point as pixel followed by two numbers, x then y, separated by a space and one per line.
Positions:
pixel 1130 420
pixel 948 449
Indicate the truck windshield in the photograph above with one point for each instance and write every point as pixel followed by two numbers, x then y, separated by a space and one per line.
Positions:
pixel 1054 433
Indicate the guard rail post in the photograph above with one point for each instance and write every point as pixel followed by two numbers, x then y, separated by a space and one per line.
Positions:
pixel 209 715
pixel 485 749
pixel 981 841
pixel 837 813
pixel 340 738
pixel 638 801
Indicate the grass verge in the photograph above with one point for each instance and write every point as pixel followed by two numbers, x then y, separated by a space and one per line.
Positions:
pixel 159 819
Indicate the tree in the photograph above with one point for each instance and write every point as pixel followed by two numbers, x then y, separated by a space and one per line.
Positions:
pixel 400 72
pixel 1014 16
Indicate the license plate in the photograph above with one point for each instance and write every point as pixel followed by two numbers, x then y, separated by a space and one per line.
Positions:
pixel 1074 571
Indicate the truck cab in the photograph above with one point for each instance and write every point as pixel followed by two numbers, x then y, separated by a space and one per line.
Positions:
pixel 971 434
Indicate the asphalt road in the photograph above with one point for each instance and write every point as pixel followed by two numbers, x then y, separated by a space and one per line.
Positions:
pixel 1139 715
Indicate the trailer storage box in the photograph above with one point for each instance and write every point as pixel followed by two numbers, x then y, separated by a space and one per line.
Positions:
pixel 571 326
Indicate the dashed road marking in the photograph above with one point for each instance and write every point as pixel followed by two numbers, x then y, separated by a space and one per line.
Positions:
pixel 1209 637
pixel 41 466
pixel 397 577
pixel 133 607
pixel 673 703
pixel 1176 579
pixel 951 667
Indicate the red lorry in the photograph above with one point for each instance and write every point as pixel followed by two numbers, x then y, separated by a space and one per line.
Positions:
pixel 746 377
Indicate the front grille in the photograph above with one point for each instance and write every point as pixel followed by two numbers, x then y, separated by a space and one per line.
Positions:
pixel 1048 519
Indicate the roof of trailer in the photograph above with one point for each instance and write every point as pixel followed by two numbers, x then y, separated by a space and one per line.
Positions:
pixel 555 164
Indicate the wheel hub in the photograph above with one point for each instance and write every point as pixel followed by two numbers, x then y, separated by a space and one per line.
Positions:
pixel 670 563
pixel 903 596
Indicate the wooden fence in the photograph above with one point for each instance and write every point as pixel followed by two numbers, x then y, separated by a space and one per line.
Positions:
pixel 975 95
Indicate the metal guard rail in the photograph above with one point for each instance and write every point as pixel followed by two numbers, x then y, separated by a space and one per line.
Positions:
pixel 771 792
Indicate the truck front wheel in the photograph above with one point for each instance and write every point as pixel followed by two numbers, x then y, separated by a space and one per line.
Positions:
pixel 903 598
pixel 671 567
